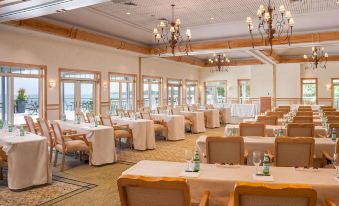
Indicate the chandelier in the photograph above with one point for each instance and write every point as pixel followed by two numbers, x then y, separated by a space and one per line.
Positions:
pixel 318 58
pixel 168 34
pixel 220 62
pixel 273 25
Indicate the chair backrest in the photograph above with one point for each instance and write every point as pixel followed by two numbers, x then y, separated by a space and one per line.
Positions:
pixel 193 107
pixel 305 107
pixel 44 128
pixel 106 121
pixel 30 123
pixel 331 113
pixel 329 109
pixel 268 120
pixel 130 113
pixel 304 110
pixel 261 194
pixel 284 107
pixel 283 110
pixel 161 109
pixel 141 191
pixel 300 130
pixel 82 117
pixel 304 113
pixel 145 109
pixel 333 119
pixel 326 107
pixel 59 139
pixel 252 129
pixel 90 117
pixel 176 110
pixel 210 106
pixel 146 115
pixel 303 119
pixel 228 150
pixel 276 114
pixel 294 152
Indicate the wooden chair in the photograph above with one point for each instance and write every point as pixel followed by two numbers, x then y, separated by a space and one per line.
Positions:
pixel 329 109
pixel 300 130
pixel 160 126
pixel 305 107
pixel 90 117
pixel 69 143
pixel 305 110
pixel 294 152
pixel 153 191
pixel 161 109
pixel 130 113
pixel 210 106
pixel 304 113
pixel 329 202
pixel 252 129
pixel 31 126
pixel 120 112
pixel 331 113
pixel 225 150
pixel 283 110
pixel 47 132
pixel 276 114
pixel 259 194
pixel 303 119
pixel 268 120
pixel 284 107
pixel 82 117
pixel 326 107
pixel 120 131
pixel 333 119
pixel 327 157
pixel 3 162
pixel 145 109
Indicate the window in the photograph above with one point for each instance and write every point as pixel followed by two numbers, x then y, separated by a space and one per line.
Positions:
pixel 152 91
pixel 191 91
pixel 173 92
pixel 122 91
pixel 244 88
pixel 78 90
pixel 21 92
pixel 335 93
pixel 309 90
pixel 215 92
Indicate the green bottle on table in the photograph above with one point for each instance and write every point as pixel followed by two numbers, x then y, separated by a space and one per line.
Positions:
pixel 10 127
pixel 196 161
pixel 22 131
pixel 1 124
pixel 334 135
pixel 266 165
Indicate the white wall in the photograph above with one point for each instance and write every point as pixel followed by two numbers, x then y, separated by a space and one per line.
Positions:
pixel 261 80
pixel 20 46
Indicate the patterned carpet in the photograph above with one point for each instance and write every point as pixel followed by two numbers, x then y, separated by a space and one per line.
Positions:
pixel 81 184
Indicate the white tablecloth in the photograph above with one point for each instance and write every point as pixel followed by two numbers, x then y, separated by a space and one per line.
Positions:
pixel 221 181
pixel 175 125
pixel 212 116
pixel 198 120
pixel 101 137
pixel 225 115
pixel 28 159
pixel 243 110
pixel 319 131
pixel 263 144
pixel 143 132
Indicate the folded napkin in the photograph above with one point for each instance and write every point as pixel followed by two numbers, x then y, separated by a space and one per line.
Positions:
pixel 263 178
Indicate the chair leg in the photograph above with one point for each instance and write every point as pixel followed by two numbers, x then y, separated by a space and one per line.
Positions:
pixel 55 158
pixel 50 151
pixel 1 174
pixel 62 162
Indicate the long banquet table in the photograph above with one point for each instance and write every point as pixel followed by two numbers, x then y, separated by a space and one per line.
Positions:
pixel 319 131
pixel 220 181
pixel 28 159
pixel 197 119
pixel 142 130
pixel 263 144
pixel 175 125
pixel 101 137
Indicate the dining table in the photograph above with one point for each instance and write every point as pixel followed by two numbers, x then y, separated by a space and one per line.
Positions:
pixel 101 137
pixel 197 120
pixel 220 180
pixel 225 115
pixel 28 159
pixel 212 117
pixel 142 130
pixel 175 125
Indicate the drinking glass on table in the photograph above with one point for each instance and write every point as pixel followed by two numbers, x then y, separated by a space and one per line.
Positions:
pixel 256 159
pixel 275 132
pixel 335 163
pixel 188 158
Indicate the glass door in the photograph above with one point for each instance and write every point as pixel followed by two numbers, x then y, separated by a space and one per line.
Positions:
pixel 87 95
pixel 191 91
pixel 244 90
pixel 68 99
pixel 173 92
pixel 122 91
pixel 4 99
pixel 152 88
pixel 215 92
pixel 335 93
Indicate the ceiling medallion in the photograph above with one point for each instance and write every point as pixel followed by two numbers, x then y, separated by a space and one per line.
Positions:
pixel 273 25
pixel 317 59
pixel 167 34
pixel 220 63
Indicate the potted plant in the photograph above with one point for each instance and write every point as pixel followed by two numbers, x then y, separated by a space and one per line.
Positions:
pixel 21 100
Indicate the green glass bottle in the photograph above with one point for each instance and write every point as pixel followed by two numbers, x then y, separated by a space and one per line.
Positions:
pixel 10 127
pixel 22 131
pixel 1 124
pixel 196 161
pixel 334 135
pixel 266 165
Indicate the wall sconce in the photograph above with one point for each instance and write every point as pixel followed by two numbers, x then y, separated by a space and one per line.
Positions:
pixel 104 85
pixel 51 84
pixel 328 86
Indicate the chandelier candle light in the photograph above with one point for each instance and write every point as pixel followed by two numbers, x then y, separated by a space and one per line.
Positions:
pixel 220 61
pixel 167 34
pixel 273 25
pixel 317 59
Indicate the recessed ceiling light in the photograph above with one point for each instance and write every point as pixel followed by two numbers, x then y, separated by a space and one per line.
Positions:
pixel 337 2
pixel 128 13
pixel 212 18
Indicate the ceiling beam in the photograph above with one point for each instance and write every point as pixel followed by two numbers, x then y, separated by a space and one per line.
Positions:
pixel 74 33
pixel 272 55
pixel 188 60
pixel 300 59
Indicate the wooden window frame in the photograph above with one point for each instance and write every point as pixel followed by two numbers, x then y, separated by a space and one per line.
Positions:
pixel 238 88
pixel 205 89
pixel 142 88
pixel 302 92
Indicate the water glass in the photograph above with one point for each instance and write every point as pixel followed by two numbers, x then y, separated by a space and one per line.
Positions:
pixel 256 160
pixel 335 163
pixel 188 158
